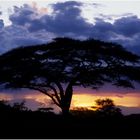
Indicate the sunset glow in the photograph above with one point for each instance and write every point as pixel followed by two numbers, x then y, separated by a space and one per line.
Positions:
pixel 86 100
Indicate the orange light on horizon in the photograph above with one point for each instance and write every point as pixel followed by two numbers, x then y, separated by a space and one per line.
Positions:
pixel 79 99
pixel 88 100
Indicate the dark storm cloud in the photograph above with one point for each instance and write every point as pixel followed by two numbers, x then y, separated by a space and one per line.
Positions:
pixel 29 27
pixel 22 15
pixel 129 29
pixel 66 20
pixel 1 24
pixel 125 30
pixel 14 36
pixel 102 30
pixel 127 26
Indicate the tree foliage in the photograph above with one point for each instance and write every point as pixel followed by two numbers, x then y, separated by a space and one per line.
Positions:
pixel 55 68
pixel 106 107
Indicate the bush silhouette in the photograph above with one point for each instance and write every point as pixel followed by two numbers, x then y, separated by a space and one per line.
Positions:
pixel 20 106
pixel 106 107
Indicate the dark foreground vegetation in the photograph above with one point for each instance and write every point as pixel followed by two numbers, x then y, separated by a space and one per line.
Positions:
pixel 19 122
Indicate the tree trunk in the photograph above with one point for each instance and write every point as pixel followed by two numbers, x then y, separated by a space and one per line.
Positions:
pixel 67 100
pixel 65 111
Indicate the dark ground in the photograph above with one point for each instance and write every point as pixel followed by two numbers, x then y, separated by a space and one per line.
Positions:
pixel 46 125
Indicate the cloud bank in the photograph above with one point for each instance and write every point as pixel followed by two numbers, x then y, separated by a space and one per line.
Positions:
pixel 29 27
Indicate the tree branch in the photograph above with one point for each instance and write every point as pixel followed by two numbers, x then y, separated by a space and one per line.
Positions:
pixel 60 89
pixel 44 92
pixel 56 93
pixel 52 88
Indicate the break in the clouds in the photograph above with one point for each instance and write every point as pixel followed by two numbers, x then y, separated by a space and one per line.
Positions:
pixel 29 26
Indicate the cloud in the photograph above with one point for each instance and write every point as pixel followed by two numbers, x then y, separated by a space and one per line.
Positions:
pixel 102 30
pixel 122 26
pixel 17 33
pixel 114 16
pixel 29 26
pixel 63 6
pixel 129 110
pixel 125 30
pixel 66 20
pixel 14 36
pixel 1 24
pixel 22 15
pixel 127 26
pixel 33 99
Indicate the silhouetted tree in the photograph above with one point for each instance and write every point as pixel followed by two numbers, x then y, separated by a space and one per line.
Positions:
pixel 106 107
pixel 20 106
pixel 55 68
pixel 5 106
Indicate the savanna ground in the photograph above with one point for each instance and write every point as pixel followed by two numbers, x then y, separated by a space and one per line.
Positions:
pixel 79 124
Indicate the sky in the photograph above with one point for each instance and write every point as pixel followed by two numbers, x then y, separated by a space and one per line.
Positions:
pixel 29 22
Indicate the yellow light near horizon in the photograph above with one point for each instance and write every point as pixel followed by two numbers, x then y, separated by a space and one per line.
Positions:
pixel 88 100
pixel 80 99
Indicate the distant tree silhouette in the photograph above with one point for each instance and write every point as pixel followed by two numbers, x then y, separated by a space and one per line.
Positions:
pixel 4 106
pixel 106 107
pixel 45 109
pixel 55 68
pixel 20 106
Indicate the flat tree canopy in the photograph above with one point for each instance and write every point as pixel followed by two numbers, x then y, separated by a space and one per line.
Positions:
pixel 55 68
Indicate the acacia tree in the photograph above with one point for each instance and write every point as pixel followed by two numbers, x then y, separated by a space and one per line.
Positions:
pixel 106 107
pixel 55 68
